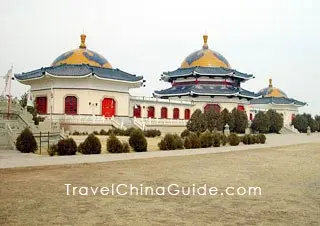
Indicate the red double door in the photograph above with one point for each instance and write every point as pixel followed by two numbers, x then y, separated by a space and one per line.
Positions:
pixel 108 107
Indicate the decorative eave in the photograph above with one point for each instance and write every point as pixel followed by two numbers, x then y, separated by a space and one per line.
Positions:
pixel 204 71
pixel 280 101
pixel 193 90
pixel 78 72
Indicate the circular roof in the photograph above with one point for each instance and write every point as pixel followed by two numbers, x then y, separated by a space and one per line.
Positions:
pixel 271 91
pixel 82 55
pixel 205 57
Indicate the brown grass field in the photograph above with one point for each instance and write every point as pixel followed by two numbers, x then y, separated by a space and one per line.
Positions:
pixel 289 178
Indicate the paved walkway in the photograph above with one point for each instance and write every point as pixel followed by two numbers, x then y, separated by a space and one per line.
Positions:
pixel 11 159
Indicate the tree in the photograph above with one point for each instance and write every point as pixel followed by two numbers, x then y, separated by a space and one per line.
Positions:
pixel 238 121
pixel 226 117
pixel 317 118
pixel 26 142
pixel 197 122
pixel 23 100
pixel 138 141
pixel 261 123
pixel 275 121
pixel 301 123
pixel 213 120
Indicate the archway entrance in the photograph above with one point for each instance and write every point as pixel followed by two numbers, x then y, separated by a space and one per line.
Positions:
pixel 108 107
pixel 215 107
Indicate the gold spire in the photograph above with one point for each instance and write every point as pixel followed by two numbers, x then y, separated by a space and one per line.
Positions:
pixel 205 40
pixel 270 82
pixel 83 41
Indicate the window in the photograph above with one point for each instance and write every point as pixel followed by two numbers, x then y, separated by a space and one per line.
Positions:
pixel 151 112
pixel 164 112
pixel 215 107
pixel 176 113
pixel 70 105
pixel 41 104
pixel 187 114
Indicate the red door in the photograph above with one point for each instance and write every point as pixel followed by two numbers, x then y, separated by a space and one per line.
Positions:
pixel 164 112
pixel 41 103
pixel 150 112
pixel 187 114
pixel 176 113
pixel 215 107
pixel 137 111
pixel 240 108
pixel 108 107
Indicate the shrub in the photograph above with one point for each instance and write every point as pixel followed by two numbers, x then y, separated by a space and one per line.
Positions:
pixel 137 141
pixel 206 139
pixel 152 133
pixel 216 138
pixel 95 133
pixel 185 133
pixel 170 142
pixel 129 131
pixel 26 142
pixel 262 138
pixel 234 139
pixel 179 141
pixel 125 147
pixel 76 133
pixel 223 139
pixel 255 139
pixel 194 140
pixel 187 142
pixel 91 145
pixel 238 121
pixel 53 150
pixel 247 139
pixel 67 147
pixel 114 145
pixel 103 132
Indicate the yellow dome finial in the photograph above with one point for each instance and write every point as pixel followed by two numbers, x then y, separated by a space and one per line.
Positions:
pixel 270 82
pixel 205 40
pixel 83 41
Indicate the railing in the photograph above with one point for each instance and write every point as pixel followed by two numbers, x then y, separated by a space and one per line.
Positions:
pixel 142 122
pixel 153 99
pixel 79 119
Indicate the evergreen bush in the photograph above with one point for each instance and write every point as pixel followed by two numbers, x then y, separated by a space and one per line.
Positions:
pixel 234 139
pixel 223 139
pixel 187 143
pixel 216 138
pixel 194 140
pixel 262 138
pixel 206 139
pixel 114 145
pixel 125 147
pixel 185 133
pixel 138 141
pixel 91 145
pixel 67 147
pixel 53 150
pixel 26 143
pixel 103 132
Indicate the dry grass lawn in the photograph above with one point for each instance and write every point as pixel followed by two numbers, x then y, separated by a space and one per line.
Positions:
pixel 289 178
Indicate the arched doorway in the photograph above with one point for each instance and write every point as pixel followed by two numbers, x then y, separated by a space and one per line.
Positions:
pixel 137 111
pixel 215 107
pixel 108 107
pixel 70 105
pixel 150 112
pixel 176 113
pixel 41 105
pixel 187 114
pixel 164 112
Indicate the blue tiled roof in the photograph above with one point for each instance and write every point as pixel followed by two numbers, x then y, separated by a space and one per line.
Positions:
pixel 206 90
pixel 79 70
pixel 205 71
pixel 277 100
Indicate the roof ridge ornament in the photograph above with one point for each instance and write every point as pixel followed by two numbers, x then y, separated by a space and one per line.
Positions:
pixel 83 41
pixel 270 83
pixel 205 41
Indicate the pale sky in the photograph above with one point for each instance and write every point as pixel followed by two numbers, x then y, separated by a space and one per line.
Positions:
pixel 278 39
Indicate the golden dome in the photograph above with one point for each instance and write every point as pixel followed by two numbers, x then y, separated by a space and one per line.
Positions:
pixel 271 91
pixel 205 57
pixel 82 55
